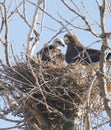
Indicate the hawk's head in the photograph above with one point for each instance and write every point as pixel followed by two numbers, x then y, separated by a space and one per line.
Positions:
pixel 58 42
pixel 70 39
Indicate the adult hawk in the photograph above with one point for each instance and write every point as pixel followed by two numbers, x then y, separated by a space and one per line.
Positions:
pixel 52 53
pixel 77 52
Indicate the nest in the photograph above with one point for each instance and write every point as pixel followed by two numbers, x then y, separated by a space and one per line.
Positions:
pixel 49 94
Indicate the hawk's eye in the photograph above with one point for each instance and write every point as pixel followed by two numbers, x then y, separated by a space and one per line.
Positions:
pixel 59 42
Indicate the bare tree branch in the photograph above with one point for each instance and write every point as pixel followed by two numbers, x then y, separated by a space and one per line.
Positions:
pixel 35 19
pixel 89 28
pixel 103 83
pixel 6 35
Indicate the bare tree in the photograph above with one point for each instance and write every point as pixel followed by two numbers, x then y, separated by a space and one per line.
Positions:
pixel 50 95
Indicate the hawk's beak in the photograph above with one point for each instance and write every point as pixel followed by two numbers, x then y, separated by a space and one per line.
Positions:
pixel 62 43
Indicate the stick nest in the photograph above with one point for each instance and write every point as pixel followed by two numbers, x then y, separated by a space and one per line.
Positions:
pixel 49 93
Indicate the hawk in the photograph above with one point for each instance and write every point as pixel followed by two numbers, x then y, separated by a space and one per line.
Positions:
pixel 77 52
pixel 52 53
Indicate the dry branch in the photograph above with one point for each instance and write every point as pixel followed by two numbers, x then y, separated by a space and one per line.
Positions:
pixel 103 82
pixel 6 34
pixel 33 27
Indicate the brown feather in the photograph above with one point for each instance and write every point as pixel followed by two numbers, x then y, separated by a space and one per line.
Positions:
pixel 77 52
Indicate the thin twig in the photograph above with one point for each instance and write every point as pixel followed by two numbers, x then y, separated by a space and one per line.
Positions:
pixel 90 29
